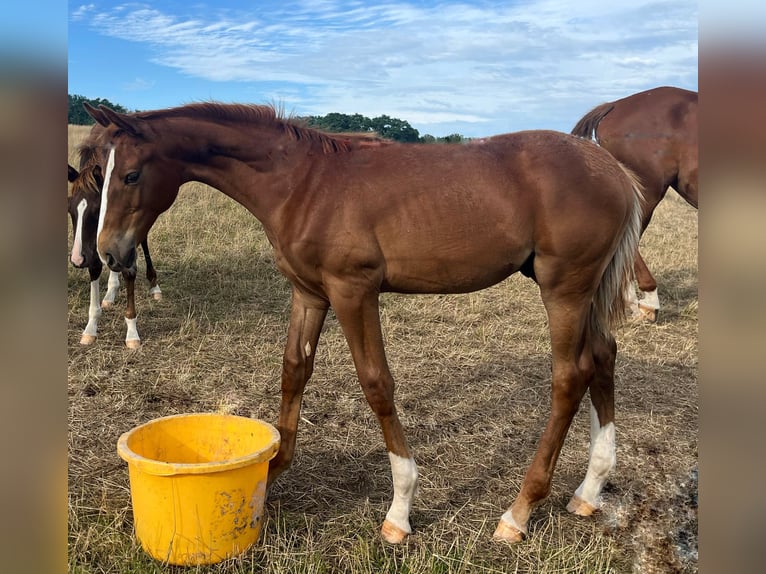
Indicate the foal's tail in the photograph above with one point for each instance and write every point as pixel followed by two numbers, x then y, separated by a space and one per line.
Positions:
pixel 609 307
pixel 586 127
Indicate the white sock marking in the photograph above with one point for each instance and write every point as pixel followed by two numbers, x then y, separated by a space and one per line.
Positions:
pixel 94 310
pixel 405 474
pixel 132 330
pixel 104 198
pixel 507 517
pixel 76 256
pixel 112 286
pixel 651 300
pixel 602 460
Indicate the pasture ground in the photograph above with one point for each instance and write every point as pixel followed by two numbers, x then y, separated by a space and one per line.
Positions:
pixel 473 378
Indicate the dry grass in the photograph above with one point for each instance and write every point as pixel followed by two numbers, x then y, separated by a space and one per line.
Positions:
pixel 472 375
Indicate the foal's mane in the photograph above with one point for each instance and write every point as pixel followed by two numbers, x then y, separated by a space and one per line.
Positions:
pixel 86 181
pixel 269 115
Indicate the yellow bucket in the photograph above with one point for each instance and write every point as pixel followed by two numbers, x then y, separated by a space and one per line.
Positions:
pixel 198 484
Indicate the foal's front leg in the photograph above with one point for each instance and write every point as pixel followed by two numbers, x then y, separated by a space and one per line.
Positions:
pixel 112 286
pixel 151 273
pixel 132 340
pixel 94 309
pixel 359 317
pixel 306 320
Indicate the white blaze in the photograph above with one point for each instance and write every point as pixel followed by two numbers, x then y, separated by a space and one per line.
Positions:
pixel 104 196
pixel 76 256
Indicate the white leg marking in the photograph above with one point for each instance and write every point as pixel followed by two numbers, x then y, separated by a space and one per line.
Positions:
pixel 307 349
pixel 405 474
pixel 631 299
pixel 651 300
pixel 76 256
pixel 104 197
pixel 94 312
pixel 156 292
pixel 132 330
pixel 602 460
pixel 507 517
pixel 112 286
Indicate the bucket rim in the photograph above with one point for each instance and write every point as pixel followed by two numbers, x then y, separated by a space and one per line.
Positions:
pixel 161 468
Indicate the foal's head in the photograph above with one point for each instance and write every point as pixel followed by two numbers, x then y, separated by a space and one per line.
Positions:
pixel 138 185
pixel 84 202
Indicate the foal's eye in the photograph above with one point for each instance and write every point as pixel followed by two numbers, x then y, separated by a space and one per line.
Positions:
pixel 131 178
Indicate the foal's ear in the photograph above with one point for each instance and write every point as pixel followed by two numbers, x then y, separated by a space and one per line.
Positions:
pixel 96 114
pixel 73 174
pixel 123 121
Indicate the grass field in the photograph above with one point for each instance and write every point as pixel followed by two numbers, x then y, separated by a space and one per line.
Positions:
pixel 473 378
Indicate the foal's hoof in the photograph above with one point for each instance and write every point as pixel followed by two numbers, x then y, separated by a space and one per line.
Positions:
pixel 392 534
pixel 508 533
pixel 648 314
pixel 87 339
pixel 579 507
pixel 107 304
pixel 133 343
pixel 157 296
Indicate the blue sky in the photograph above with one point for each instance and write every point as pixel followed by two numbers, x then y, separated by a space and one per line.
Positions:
pixel 470 67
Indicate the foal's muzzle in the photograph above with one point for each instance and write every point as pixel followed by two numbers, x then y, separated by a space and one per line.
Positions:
pixel 121 262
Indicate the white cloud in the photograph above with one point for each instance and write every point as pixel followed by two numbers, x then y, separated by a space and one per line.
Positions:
pixel 82 11
pixel 446 62
pixel 139 84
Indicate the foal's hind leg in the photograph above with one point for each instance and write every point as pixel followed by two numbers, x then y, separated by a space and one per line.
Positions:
pixel 151 273
pixel 572 372
pixel 586 499
pixel 649 304
pixel 359 317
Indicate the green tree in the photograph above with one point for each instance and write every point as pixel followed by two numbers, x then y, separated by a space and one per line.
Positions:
pixel 77 114
pixel 385 126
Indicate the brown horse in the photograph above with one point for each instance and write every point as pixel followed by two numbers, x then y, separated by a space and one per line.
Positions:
pixel 654 133
pixel 84 201
pixel 348 221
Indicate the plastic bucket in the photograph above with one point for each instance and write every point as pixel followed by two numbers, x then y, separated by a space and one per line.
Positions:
pixel 198 484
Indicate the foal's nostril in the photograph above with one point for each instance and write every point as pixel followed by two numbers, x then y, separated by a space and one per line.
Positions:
pixel 109 260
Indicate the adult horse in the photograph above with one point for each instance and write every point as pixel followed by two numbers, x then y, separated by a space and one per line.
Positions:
pixel 654 133
pixel 348 221
pixel 84 202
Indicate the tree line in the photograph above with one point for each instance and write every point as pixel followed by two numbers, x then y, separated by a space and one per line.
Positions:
pixel 385 126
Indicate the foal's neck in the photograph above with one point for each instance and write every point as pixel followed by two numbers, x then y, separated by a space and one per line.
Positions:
pixel 250 163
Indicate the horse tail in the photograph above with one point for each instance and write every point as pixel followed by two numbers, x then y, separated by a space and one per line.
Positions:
pixel 586 127
pixel 609 306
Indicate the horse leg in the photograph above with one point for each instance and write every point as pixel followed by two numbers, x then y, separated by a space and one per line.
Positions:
pixel 586 499
pixel 112 286
pixel 305 326
pixel 649 302
pixel 648 306
pixel 573 370
pixel 94 309
pixel 358 314
pixel 132 340
pixel 151 273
